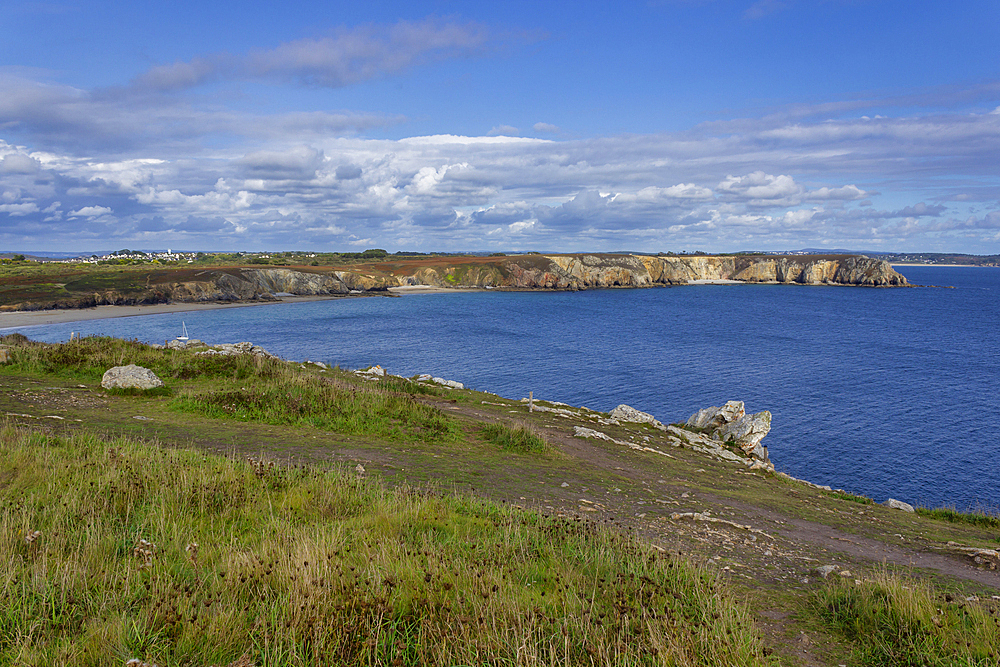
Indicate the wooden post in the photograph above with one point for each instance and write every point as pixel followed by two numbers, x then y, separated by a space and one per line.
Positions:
pixel 531 401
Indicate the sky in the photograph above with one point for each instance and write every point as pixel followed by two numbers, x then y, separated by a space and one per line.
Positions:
pixel 651 126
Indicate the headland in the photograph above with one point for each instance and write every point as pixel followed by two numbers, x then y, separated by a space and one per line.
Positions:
pixel 53 287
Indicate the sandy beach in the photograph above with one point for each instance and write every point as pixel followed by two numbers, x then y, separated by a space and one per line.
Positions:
pixel 25 318
pixel 39 317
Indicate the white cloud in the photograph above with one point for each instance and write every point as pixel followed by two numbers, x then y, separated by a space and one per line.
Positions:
pixel 18 210
pixel 759 185
pixel 545 128
pixel 136 169
pixel 15 163
pixel 91 212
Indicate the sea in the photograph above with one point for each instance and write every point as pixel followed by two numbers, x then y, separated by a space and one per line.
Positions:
pixel 885 392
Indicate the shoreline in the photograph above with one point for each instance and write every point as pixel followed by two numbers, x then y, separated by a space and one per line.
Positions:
pixel 16 319
pixel 948 266
pixel 28 318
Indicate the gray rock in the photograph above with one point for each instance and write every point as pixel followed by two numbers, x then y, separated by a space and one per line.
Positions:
pixel 234 349
pixel 184 344
pixel 715 417
pixel 899 505
pixel 747 432
pixel 130 377
pixel 625 413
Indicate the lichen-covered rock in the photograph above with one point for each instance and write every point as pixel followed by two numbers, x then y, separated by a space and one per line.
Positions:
pixel 625 413
pixel 234 349
pixel 130 377
pixel 747 432
pixel 714 417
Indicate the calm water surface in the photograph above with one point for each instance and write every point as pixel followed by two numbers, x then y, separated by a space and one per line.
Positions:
pixel 886 392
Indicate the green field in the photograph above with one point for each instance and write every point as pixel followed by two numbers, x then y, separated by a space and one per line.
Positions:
pixel 261 512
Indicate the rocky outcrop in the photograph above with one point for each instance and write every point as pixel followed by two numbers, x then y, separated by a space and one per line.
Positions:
pixel 715 417
pixel 130 377
pixel 730 426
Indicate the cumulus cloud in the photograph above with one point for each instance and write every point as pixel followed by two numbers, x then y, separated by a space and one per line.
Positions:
pixel 299 162
pixel 545 128
pixel 91 212
pixel 305 179
pixel 759 185
pixel 17 210
pixel 15 163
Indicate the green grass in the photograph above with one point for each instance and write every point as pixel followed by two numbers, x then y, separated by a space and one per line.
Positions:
pixel 309 400
pixel 896 622
pixel 111 549
pixel 88 358
pixel 951 515
pixel 514 438
pixel 851 497
pixel 249 388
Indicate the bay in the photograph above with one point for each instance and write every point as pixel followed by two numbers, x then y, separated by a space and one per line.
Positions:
pixel 885 392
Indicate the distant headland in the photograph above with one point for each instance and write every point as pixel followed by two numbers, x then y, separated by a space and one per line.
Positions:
pixel 73 286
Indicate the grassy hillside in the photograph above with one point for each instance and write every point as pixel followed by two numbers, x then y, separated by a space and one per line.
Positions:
pixel 260 512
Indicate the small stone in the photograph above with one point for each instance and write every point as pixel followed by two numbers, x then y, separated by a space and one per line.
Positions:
pixel 845 573
pixel 825 570
pixel 564 485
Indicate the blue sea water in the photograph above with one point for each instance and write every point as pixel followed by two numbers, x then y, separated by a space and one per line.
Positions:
pixel 885 392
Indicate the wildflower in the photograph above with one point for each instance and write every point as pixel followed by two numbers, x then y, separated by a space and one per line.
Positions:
pixel 145 550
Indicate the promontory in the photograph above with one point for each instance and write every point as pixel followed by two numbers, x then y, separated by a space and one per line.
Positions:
pixel 74 286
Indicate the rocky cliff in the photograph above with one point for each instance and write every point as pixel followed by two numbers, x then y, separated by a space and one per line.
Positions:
pixel 570 272
pixel 533 271
pixel 596 271
pixel 267 284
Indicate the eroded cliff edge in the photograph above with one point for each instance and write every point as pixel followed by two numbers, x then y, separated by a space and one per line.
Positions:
pixel 584 271
pixel 533 271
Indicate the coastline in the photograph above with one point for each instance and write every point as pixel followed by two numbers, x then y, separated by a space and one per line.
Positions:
pixel 947 266
pixel 27 318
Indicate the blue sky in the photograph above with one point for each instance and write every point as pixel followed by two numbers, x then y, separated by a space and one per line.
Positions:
pixel 655 126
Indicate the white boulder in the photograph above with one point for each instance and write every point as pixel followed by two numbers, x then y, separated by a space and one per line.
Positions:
pixel 625 413
pixel 899 505
pixel 130 377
